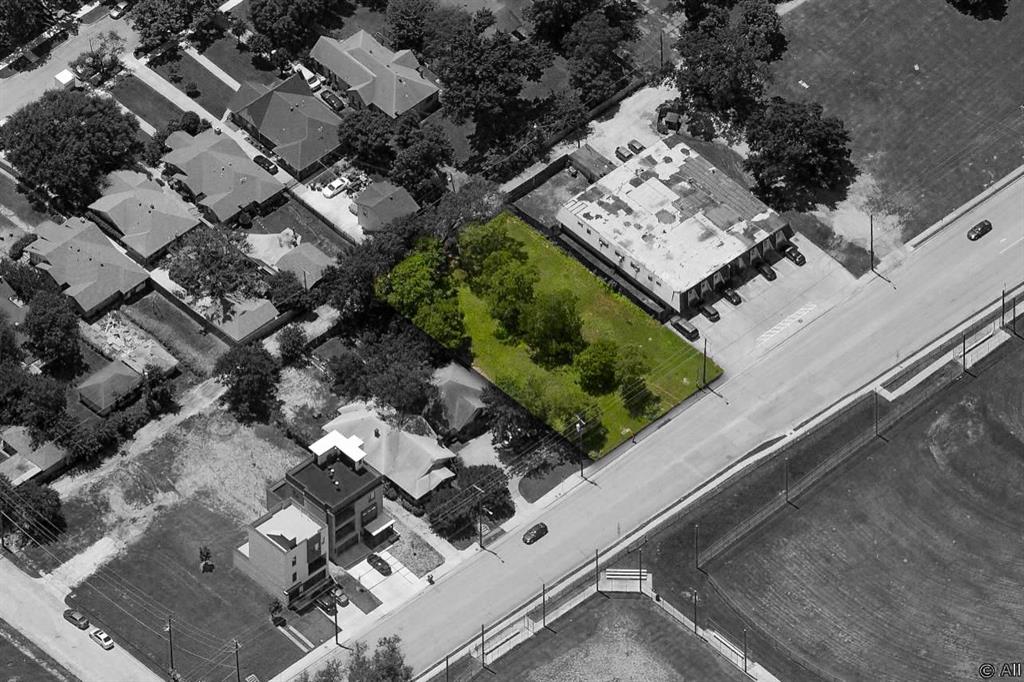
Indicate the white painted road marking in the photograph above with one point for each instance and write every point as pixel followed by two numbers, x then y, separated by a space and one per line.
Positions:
pixel 786 323
pixel 1012 245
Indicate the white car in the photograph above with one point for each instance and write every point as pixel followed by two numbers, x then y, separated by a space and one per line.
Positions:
pixel 102 638
pixel 119 10
pixel 336 187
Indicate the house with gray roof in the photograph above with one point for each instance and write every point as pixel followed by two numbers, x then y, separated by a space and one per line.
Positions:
pixel 109 387
pixel 380 204
pixel 218 175
pixel 371 75
pixel 22 461
pixel 145 217
pixel 307 263
pixel 289 119
pixel 85 264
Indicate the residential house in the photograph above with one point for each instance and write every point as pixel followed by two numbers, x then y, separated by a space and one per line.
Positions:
pixel 285 553
pixel 86 265
pixel 336 487
pixel 143 215
pixel 371 75
pixel 461 400
pixel 20 461
pixel 288 118
pixel 214 172
pixel 415 465
pixel 249 320
pixel 109 387
pixel 380 204
pixel 307 263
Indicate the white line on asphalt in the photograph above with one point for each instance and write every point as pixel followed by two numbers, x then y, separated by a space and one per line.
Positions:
pixel 1012 245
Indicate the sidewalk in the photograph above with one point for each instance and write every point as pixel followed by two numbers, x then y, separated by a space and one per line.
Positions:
pixel 210 66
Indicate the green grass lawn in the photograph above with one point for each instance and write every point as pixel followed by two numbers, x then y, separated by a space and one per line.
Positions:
pixel 676 366
pixel 238 61
pixel 931 97
pixel 145 102
pixel 214 94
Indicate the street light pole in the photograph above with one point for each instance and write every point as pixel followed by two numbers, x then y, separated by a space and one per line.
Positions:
pixel 170 641
pixel 579 439
pixel 872 219
pixel 238 669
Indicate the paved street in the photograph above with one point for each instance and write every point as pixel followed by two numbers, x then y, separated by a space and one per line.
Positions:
pixel 936 286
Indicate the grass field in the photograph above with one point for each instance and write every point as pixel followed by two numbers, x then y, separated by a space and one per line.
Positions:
pixel 676 366
pixel 214 94
pixel 618 638
pixel 906 553
pixel 931 96
pixel 145 102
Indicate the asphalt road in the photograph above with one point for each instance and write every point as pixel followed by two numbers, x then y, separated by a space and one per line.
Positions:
pixel 938 285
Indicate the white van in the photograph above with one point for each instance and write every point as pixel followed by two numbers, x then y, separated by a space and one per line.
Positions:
pixel 312 80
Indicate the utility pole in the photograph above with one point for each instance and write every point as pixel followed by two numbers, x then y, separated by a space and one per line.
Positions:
pixel 170 641
pixel 579 440
pixel 744 650
pixel 238 669
pixel 483 652
pixel 695 612
pixel 597 573
pixel 872 219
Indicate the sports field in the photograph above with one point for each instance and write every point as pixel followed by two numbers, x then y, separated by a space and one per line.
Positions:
pixel 932 97
pixel 906 565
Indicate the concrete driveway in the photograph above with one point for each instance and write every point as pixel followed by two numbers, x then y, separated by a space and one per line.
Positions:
pixel 26 86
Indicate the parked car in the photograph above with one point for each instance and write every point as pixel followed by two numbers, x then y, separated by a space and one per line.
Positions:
pixel 102 638
pixel 265 163
pixel 379 563
pixel 252 678
pixel 341 599
pixel 766 271
pixel 686 329
pixel 335 187
pixel 793 254
pixel 332 100
pixel 635 146
pixel 119 10
pixel 708 311
pixel 623 153
pixel 535 533
pixel 730 295
pixel 328 604
pixel 979 230
pixel 312 80
pixel 77 619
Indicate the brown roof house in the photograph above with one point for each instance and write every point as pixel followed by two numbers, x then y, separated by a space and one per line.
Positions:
pixel 461 400
pixel 21 462
pixel 373 76
pixel 415 464
pixel 218 175
pixel 382 203
pixel 144 216
pixel 85 264
pixel 288 118
pixel 109 387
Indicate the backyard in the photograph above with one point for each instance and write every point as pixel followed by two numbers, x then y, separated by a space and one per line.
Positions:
pixel 196 348
pixel 931 98
pixel 145 102
pixel 675 366
pixel 309 226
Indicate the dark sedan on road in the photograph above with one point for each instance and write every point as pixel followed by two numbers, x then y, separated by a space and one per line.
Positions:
pixel 979 230
pixel 77 619
pixel 379 563
pixel 535 533
pixel 265 163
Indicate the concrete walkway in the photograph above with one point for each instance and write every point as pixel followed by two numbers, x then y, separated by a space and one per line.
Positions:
pixel 211 67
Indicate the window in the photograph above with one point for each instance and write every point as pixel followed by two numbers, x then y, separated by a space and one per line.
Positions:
pixel 368 514
pixel 293 561
pixel 295 577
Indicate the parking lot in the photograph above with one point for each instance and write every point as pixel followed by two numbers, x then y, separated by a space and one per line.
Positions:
pixel 772 312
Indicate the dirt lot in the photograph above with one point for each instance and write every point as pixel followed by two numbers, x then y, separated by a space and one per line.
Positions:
pixel 619 638
pixel 904 554
pixel 190 343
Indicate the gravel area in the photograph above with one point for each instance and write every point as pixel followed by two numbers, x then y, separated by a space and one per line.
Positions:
pixel 414 552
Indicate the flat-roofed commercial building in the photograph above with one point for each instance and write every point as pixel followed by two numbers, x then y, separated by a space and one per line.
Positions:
pixel 673 223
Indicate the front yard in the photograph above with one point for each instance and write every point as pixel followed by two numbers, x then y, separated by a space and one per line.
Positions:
pixel 239 62
pixel 213 93
pixel 145 102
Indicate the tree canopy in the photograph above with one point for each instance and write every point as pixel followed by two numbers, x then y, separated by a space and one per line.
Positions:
pixel 553 327
pixel 250 375
pixel 367 134
pixel 67 141
pixel 597 366
pixel 798 157
pixel 292 345
pixel 20 21
pixel 289 24
pixel 34 511
pixel 453 511
pixel 417 165
pixel 594 69
pixel 981 9
pixel 160 20
pixel 407 22
pixel 210 261
pixel 52 328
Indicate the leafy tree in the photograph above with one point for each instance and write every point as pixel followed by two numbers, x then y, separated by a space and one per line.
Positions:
pixel 387 664
pixel 597 366
pixel 237 27
pixel 453 511
pixel 761 27
pixel 722 77
pixel 42 405
pixel 67 141
pixel 478 243
pixel 250 374
pixel 35 511
pixel 286 291
pixel 210 261
pixel 443 321
pixel 348 370
pixel 20 21
pixel 416 281
pixel 157 21
pixel 398 366
pixel 416 166
pixel 366 134
pixel 52 328
pixel 553 327
pixel 205 27
pixel 292 345
pixel 474 202
pixel 798 157
pixel 553 19
pixel 630 375
pixel 524 443
pixel 290 24
pixel 981 9
pixel 594 68
pixel 440 28
pixel 26 280
pixel 406 23
pixel 104 57
pixel 484 74
pixel 10 350
pixel 441 511
pixel 261 44
pixel 509 290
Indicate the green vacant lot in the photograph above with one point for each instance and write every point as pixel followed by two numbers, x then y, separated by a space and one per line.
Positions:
pixel 675 365
pixel 932 97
